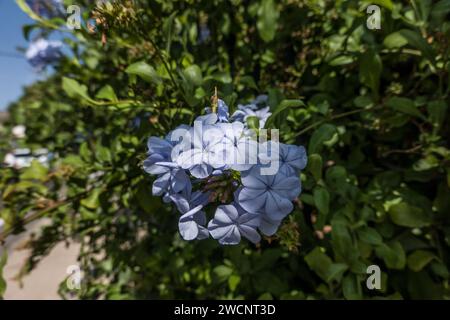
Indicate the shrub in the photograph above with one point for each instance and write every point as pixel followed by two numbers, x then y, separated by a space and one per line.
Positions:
pixel 369 105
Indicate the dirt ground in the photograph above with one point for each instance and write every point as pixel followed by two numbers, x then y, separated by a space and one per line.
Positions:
pixel 43 282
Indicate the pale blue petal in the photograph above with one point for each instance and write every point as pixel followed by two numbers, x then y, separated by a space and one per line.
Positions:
pixel 268 226
pixel 252 200
pixel 277 207
pixel 250 233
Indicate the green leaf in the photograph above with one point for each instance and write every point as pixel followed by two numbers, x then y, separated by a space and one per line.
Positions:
pixel 370 235
pixel 3 260
pixel 323 266
pixel 406 215
pixel 223 272
pixel 393 255
pixel 315 165
pixel 370 67
pixel 36 171
pixel 168 30
pixel 193 74
pixel 395 40
pixel 107 93
pixel 441 7
pixel 342 241
pixel 265 296
pixel 404 105
pixel 351 287
pixel 144 71
pixel 267 20
pixel 233 282
pixel 85 152
pixel 103 154
pixel 76 90
pixel 324 133
pixel 384 3
pixel 417 41
pixel 322 200
pixel 426 163
pixel 284 105
pixel 437 111
pixel 92 201
pixel 341 60
pixel 419 259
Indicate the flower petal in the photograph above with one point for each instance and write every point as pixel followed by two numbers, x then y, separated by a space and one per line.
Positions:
pixel 250 233
pixel 252 200
pixel 268 226
pixel 188 229
pixel 277 207
pixel 232 237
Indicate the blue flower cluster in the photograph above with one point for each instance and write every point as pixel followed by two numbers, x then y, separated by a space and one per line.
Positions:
pixel 42 52
pixel 219 165
pixel 46 8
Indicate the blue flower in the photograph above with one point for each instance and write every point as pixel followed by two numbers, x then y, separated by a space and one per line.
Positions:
pixel 239 149
pixel 191 223
pixel 222 111
pixel 200 155
pixel 231 222
pixel 204 34
pixel 270 194
pixel 46 8
pixel 253 109
pixel 214 151
pixel 293 159
pixel 171 179
pixel 42 52
pixel 289 159
pixel 268 226
pixel 159 150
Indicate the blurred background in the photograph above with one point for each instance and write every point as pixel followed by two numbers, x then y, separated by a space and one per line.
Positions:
pixel 15 73
pixel 15 70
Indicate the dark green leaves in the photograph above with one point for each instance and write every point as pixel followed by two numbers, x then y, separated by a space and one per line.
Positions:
pixel 76 90
pixel 393 255
pixel 323 266
pixel 193 74
pixel 323 134
pixel 315 164
pixel 144 71
pixel 437 111
pixel 404 105
pixel 370 67
pixel 417 41
pixel 283 106
pixel 267 20
pixel 322 200
pixel 441 7
pixel 406 215
pixel 370 235
pixel 419 259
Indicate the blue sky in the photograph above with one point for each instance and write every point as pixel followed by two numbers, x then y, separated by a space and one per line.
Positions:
pixel 15 72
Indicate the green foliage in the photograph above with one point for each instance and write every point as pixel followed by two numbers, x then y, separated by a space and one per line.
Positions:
pixel 3 259
pixel 370 106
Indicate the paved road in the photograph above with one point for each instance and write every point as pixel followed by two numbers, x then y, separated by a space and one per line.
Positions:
pixel 43 282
